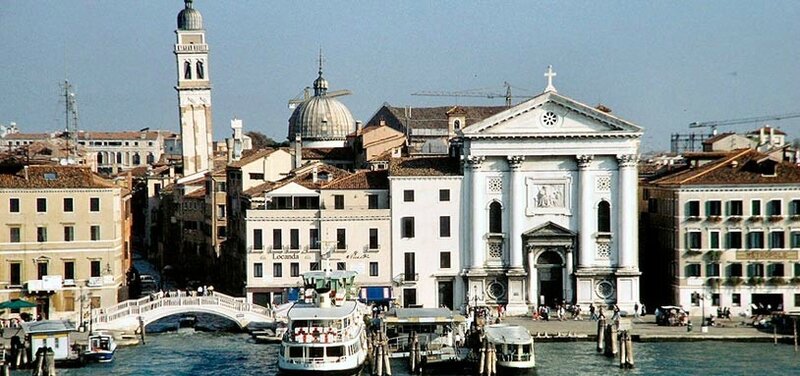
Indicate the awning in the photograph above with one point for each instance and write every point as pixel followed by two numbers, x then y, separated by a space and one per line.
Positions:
pixel 294 294
pixel 375 293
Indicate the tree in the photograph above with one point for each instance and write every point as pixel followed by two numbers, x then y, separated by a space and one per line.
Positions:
pixel 261 141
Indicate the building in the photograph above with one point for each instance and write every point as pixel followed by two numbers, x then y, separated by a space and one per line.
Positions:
pixel 727 231
pixel 551 190
pixel 63 242
pixel 426 210
pixel 318 218
pixel 194 91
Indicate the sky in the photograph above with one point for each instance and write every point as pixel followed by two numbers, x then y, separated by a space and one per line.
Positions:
pixel 661 65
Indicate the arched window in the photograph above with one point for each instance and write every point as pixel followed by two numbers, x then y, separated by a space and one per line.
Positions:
pixel 187 70
pixel 119 158
pixel 457 124
pixel 136 159
pixel 495 218
pixel 200 73
pixel 604 216
pixel 151 158
pixel 99 158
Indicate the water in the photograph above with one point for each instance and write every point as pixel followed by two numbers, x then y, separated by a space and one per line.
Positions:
pixel 226 353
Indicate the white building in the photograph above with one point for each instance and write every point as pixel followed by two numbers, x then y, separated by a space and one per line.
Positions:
pixel 550 187
pixel 426 242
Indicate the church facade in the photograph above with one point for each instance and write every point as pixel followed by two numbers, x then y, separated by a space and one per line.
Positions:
pixel 550 187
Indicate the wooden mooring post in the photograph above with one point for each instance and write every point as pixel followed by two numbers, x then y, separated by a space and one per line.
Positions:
pixel 625 350
pixel 794 324
pixel 141 329
pixel 601 327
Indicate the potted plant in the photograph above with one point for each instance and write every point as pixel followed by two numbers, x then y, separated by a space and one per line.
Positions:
pixel 735 281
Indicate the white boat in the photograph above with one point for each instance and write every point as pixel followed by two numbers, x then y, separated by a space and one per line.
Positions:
pixel 101 348
pixel 187 323
pixel 271 335
pixel 326 332
pixel 437 329
pixel 514 346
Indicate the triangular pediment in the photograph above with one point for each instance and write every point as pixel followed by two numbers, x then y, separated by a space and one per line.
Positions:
pixel 292 189
pixel 552 115
pixel 548 230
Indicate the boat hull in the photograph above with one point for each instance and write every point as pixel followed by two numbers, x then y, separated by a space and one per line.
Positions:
pixel 100 357
pixel 516 368
pixel 326 372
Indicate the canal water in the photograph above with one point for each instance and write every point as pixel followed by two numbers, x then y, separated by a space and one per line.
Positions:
pixel 227 353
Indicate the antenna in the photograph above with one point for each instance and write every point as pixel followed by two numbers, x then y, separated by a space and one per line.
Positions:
pixel 70 120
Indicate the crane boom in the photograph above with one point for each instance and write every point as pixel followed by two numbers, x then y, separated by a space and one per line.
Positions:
pixel 472 93
pixel 755 119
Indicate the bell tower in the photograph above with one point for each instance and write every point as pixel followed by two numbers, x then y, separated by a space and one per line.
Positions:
pixel 194 91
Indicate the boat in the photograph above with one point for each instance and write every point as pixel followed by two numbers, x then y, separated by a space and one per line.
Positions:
pixel 325 330
pixel 186 324
pixel 514 348
pixel 438 331
pixel 270 335
pixel 101 348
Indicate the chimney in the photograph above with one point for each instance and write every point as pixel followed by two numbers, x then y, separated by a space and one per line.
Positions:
pixel 359 126
pixel 761 136
pixel 314 175
pixel 26 172
pixel 298 150
pixel 229 142
pixel 771 135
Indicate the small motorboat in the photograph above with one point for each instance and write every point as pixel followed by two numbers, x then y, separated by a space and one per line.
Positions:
pixel 186 324
pixel 101 348
pixel 514 346
pixel 270 335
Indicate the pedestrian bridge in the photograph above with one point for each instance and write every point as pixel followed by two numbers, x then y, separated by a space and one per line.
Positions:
pixel 130 315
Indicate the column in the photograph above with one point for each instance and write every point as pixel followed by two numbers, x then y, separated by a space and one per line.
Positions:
pixel 585 252
pixel 517 212
pixel 533 293
pixel 628 224
pixel 568 286
pixel 478 212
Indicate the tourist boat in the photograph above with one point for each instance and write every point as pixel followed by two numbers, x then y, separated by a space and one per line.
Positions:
pixel 437 329
pixel 325 332
pixel 514 348
pixel 101 348
pixel 187 323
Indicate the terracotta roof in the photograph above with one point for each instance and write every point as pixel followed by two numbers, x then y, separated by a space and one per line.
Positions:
pixel 302 176
pixel 252 155
pixel 767 129
pixel 51 176
pixel 123 135
pixel 199 193
pixel 424 166
pixel 716 138
pixel 430 117
pixel 259 189
pixel 740 167
pixel 363 179
pixel 27 136
pixel 331 154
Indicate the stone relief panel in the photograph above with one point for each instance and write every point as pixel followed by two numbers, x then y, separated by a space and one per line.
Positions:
pixel 548 196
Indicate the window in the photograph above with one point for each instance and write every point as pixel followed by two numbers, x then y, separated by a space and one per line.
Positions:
pixel 341 265
pixel 409 267
pixel 373 238
pixel 794 207
pixel 735 240
pixel 652 205
pixel 258 270
pixel 220 211
pixel 294 269
pixel 755 270
pixel 775 270
pixel 256 176
pixel 776 239
pixel 338 202
pixel 41 269
pixel 408 195
pixel 187 70
pixel 735 208
pixel 693 208
pixel 715 300
pixel 277 270
pixel 604 216
pixel 755 240
pixel 258 239
pixel 200 71
pixel 797 269
pixel 13 205
pixel 68 205
pixel 736 299
pixel 41 234
pixel 713 239
pixel 755 207
pixel 277 238
pixel 222 232
pixel 713 208
pixel 735 270
pixel 69 269
pixel 693 270
pixel 341 238
pixel 774 208
pixel 372 201
pixel 407 227
pixel 444 195
pixel 15 273
pixel 294 238
pixel 444 227
pixel 694 240
pixel 444 260
pixel 373 269
pixel 41 205
pixel 314 266
pixel 95 232
pixel 95 268
pixel 94 204
pixel 695 299
pixel 712 269
pixel 495 218
pixel 14 234
pixel 794 239
pixel 313 238
pixel 69 233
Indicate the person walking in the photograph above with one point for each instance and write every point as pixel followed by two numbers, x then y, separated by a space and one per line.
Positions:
pixel 592 313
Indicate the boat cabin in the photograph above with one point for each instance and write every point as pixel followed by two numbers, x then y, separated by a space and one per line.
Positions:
pixel 50 333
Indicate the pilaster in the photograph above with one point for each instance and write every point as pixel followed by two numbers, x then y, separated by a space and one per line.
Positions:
pixel 585 244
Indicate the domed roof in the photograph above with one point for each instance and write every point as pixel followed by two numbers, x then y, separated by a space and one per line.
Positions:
pixel 321 117
pixel 189 18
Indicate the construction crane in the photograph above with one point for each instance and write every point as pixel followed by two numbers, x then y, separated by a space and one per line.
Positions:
pixel 307 94
pixel 473 93
pixel 719 123
pixel 70 133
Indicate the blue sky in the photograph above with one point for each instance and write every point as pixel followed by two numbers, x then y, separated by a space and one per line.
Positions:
pixel 661 65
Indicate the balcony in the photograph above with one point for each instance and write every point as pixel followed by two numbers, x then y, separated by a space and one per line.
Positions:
pixel 405 279
pixel 775 218
pixel 48 283
pixel 714 218
pixel 735 218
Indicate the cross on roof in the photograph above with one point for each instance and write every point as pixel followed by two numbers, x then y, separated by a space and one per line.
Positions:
pixel 550 74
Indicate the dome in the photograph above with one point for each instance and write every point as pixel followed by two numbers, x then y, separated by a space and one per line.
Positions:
pixel 321 118
pixel 189 18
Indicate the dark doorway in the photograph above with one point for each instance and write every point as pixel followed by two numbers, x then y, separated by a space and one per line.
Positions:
pixel 409 297
pixel 446 294
pixel 550 268
pixel 767 302
pixel 43 306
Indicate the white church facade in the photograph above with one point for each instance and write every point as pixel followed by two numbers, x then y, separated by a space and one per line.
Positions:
pixel 550 189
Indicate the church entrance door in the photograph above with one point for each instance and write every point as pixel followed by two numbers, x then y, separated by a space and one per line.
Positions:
pixel 550 272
